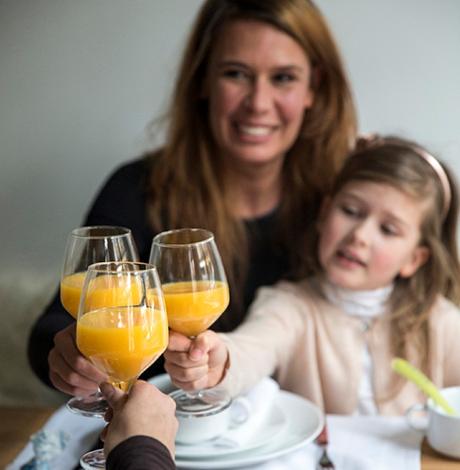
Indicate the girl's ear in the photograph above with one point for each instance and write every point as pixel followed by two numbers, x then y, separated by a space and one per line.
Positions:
pixel 418 258
pixel 325 205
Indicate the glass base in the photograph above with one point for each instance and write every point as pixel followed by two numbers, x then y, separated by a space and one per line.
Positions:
pixel 203 402
pixel 94 405
pixel 92 460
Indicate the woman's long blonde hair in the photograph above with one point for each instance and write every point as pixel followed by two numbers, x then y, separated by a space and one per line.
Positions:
pixel 401 164
pixel 187 184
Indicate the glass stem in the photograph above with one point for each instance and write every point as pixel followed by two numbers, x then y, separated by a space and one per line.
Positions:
pixel 124 386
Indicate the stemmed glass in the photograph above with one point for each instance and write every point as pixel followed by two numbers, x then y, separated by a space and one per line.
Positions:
pixel 196 293
pixel 85 246
pixel 122 326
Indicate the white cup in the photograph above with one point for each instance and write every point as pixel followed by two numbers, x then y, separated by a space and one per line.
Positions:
pixel 442 430
pixel 203 426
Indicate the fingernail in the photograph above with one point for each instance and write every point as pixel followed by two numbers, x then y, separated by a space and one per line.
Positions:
pixel 196 354
pixel 106 389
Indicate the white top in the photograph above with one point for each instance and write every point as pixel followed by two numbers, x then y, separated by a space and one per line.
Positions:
pixel 366 305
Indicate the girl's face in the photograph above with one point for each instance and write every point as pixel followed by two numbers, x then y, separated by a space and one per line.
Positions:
pixel 258 86
pixel 369 234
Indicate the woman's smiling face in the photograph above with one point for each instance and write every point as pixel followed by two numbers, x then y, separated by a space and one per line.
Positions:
pixel 258 86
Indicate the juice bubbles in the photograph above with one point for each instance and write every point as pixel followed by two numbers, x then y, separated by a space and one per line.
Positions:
pixel 193 306
pixel 122 341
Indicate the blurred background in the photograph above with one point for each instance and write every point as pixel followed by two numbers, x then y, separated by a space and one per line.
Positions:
pixel 80 82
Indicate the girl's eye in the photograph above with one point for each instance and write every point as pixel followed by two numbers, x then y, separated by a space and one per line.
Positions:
pixel 389 229
pixel 350 210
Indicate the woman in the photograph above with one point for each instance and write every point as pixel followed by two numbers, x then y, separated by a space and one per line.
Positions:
pixel 260 121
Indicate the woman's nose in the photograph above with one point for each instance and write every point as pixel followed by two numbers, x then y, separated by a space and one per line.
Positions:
pixel 259 96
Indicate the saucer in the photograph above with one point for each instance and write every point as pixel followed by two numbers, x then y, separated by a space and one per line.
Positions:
pixel 270 430
pixel 303 423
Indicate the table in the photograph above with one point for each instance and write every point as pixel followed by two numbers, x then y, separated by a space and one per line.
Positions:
pixel 17 424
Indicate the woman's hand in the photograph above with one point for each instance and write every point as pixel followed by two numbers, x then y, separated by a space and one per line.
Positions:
pixel 145 411
pixel 198 363
pixel 70 372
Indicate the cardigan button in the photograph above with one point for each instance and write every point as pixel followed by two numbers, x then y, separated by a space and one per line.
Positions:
pixel 365 325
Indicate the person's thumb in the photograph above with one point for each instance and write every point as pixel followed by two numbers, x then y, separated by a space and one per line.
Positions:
pixel 112 394
pixel 201 345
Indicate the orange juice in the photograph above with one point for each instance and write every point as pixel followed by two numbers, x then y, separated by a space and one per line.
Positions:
pixel 193 306
pixel 122 342
pixel 104 291
pixel 71 287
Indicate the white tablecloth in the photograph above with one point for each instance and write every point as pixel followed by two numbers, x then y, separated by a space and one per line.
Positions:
pixel 356 443
pixel 359 443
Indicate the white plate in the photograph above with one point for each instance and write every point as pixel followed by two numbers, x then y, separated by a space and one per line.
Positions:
pixel 271 430
pixel 304 422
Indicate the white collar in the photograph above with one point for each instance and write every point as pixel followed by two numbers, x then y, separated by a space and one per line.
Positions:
pixel 363 303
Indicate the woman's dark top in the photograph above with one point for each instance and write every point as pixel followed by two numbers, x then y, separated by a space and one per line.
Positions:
pixel 140 453
pixel 122 201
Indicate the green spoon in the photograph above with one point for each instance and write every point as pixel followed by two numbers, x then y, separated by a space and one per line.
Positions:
pixel 411 373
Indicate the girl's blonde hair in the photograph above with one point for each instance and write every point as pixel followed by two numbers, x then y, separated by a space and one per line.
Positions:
pixel 187 183
pixel 403 165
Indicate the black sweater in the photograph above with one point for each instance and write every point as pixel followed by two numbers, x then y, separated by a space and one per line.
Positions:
pixel 122 201
pixel 140 453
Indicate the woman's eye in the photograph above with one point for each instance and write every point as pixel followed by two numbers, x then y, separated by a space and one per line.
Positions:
pixel 284 78
pixel 235 74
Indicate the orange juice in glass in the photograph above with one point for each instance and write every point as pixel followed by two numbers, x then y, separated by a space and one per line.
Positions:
pixel 122 341
pixel 88 245
pixel 196 293
pixel 192 307
pixel 71 287
pixel 122 326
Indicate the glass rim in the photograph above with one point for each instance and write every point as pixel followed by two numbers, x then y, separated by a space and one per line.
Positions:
pixel 141 267
pixel 207 237
pixel 118 231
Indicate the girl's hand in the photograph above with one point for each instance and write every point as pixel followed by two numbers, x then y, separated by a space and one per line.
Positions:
pixel 70 372
pixel 198 363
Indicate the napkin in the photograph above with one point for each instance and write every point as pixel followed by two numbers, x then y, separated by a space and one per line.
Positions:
pixel 83 432
pixel 358 443
pixel 374 442
pixel 260 400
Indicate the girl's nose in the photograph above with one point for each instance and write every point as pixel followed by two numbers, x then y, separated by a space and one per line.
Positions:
pixel 259 96
pixel 362 231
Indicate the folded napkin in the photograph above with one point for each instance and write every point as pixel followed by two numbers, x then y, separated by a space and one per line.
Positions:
pixel 83 433
pixel 358 443
pixel 252 412
pixel 374 442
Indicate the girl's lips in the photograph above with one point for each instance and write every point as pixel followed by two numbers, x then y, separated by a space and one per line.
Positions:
pixel 349 258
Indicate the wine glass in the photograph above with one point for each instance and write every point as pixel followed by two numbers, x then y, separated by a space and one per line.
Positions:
pixel 122 326
pixel 196 293
pixel 85 246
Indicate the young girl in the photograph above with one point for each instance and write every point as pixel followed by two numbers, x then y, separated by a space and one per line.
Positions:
pixel 387 285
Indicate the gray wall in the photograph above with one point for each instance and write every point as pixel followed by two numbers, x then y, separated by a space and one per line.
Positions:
pixel 81 79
